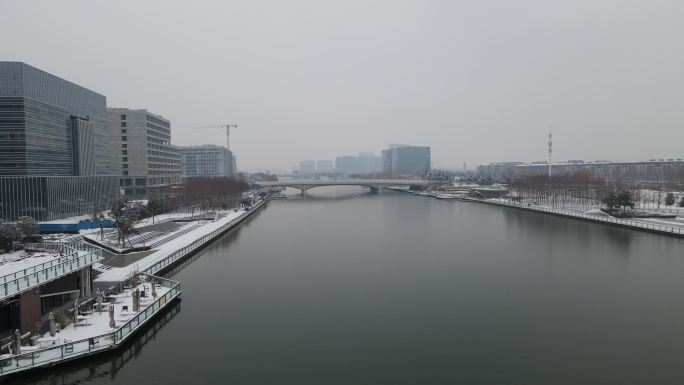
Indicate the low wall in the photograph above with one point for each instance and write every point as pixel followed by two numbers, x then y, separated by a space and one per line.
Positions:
pixel 648 227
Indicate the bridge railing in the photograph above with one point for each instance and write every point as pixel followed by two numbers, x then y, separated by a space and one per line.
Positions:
pixel 71 259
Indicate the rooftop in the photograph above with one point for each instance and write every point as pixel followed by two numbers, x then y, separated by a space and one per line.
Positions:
pixel 41 263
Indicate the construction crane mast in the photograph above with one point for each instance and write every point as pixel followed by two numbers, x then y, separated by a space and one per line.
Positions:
pixel 227 127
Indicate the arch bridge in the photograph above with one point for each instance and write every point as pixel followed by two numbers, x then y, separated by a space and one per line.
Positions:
pixel 374 184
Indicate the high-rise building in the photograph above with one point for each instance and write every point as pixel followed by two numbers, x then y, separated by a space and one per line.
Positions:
pixel 347 164
pixel 207 160
pixel 406 160
pixel 307 167
pixel 364 163
pixel 325 166
pixel 370 163
pixel 142 151
pixel 49 126
pixel 54 146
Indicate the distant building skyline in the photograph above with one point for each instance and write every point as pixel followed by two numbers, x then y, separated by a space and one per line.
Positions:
pixel 307 166
pixel 325 166
pixel 651 170
pixel 364 163
pixel 405 159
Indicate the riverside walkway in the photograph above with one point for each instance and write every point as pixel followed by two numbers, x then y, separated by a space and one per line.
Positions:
pixel 92 333
pixel 665 229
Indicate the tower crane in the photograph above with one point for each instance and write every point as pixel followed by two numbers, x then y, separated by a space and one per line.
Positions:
pixel 227 127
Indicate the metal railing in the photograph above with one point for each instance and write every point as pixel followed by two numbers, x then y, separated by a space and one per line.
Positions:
pixel 598 218
pixel 72 349
pixel 74 257
pixel 182 252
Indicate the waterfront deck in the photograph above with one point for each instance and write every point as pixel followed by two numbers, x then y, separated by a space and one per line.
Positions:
pixel 92 333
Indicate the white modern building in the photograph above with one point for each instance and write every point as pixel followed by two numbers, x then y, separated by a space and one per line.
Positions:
pixel 142 152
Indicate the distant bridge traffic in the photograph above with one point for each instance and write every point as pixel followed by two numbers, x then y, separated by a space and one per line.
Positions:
pixel 373 184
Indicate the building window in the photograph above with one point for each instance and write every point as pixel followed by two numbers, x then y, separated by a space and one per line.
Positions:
pixel 123 116
pixel 124 159
pixel 124 138
pixel 124 145
pixel 125 172
pixel 124 131
pixel 123 124
pixel 125 165
pixel 124 152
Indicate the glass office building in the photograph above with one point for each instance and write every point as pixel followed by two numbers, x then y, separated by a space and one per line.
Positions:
pixel 50 127
pixel 48 198
pixel 406 160
pixel 207 160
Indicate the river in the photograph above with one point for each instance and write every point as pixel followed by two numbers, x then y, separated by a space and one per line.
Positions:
pixel 346 287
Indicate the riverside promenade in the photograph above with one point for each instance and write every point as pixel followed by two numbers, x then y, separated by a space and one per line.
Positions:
pixel 95 329
pixel 180 247
pixel 657 228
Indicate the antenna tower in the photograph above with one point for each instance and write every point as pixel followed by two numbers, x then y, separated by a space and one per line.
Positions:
pixel 550 145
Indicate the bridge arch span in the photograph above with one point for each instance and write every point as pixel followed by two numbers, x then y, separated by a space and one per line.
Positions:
pixel 373 184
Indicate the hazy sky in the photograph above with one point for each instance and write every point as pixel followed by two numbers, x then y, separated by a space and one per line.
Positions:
pixel 479 81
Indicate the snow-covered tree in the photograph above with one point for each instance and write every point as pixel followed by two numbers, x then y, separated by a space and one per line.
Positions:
pixel 8 234
pixel 27 226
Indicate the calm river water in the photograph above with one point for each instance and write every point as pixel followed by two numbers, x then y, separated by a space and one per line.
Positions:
pixel 346 287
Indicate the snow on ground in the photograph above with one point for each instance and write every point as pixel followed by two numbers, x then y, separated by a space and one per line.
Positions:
pixel 97 324
pixel 579 209
pixel 116 274
pixel 163 217
pixel 20 260
pixel 597 213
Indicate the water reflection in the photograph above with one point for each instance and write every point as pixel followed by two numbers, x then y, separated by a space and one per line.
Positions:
pixel 345 287
pixel 553 226
pixel 106 365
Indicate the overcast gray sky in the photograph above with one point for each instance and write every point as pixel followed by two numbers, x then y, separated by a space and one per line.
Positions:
pixel 479 81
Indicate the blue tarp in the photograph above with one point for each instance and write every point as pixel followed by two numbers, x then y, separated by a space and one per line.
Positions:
pixel 74 227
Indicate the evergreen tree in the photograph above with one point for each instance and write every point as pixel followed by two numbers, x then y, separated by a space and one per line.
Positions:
pixel 8 234
pixel 669 199
pixel 123 220
pixel 27 226
pixel 155 205
pixel 625 200
pixel 611 201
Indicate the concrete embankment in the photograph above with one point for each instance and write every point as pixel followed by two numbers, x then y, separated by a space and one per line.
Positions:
pixel 177 249
pixel 628 224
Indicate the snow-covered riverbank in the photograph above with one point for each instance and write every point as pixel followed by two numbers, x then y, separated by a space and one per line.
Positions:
pixel 176 248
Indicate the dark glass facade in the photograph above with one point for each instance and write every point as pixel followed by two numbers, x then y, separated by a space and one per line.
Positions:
pixel 54 146
pixel 49 126
pixel 54 197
